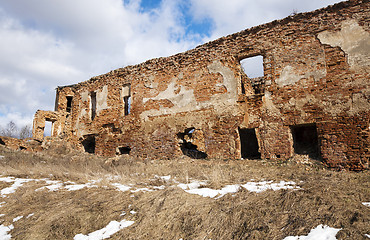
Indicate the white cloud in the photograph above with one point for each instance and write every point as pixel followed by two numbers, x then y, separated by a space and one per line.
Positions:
pixel 235 15
pixel 45 44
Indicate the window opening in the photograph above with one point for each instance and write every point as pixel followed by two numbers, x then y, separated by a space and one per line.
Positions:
pixel 191 143
pixel 123 150
pixel 93 105
pixel 253 68
pixel 305 140
pixel 126 94
pixel 249 143
pixel 69 103
pixel 127 101
pixel 89 144
pixel 48 129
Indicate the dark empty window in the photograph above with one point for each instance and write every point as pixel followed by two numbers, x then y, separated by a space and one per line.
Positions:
pixel 69 103
pixel 305 140
pixel 93 105
pixel 89 144
pixel 249 144
pixel 123 150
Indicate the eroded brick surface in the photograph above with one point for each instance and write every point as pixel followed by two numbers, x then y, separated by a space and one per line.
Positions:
pixel 316 73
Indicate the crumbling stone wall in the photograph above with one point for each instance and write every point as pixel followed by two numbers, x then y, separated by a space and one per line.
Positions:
pixel 316 73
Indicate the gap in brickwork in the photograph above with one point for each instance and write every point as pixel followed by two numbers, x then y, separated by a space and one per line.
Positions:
pixel 249 144
pixel 187 147
pixel 126 94
pixel 127 102
pixel 305 140
pixel 89 144
pixel 123 150
pixel 93 105
pixel 69 103
pixel 48 130
pixel 253 69
pixel 253 66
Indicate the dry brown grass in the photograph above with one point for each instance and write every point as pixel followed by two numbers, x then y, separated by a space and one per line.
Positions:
pixel 327 197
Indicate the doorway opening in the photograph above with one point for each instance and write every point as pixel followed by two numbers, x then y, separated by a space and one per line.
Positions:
pixel 89 144
pixel 305 140
pixel 249 144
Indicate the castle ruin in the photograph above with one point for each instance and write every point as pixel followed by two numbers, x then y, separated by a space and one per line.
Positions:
pixel 313 96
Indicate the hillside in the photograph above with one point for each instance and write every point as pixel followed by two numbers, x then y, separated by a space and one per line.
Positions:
pixel 61 194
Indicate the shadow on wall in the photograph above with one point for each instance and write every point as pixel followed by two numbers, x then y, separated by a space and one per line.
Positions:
pixel 187 146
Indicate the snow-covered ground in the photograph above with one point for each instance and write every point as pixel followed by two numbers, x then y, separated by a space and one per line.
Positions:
pixel 319 233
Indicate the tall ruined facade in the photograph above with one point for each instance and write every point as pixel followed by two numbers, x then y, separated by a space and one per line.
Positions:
pixel 313 97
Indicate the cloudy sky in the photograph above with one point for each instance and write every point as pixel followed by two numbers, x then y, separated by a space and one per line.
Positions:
pixel 45 44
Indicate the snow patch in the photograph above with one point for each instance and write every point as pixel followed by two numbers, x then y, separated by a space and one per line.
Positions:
pixel 208 192
pixel 121 187
pixel 17 182
pixel 105 232
pixel 367 204
pixel 17 218
pixel 195 188
pixel 4 232
pixel 142 190
pixel 319 233
pixel 192 185
pixel 164 178
pixel 72 186
pixel 266 185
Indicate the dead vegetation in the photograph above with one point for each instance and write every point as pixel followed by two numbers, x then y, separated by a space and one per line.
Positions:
pixel 326 197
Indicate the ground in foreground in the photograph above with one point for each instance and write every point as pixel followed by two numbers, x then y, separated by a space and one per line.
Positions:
pixel 60 194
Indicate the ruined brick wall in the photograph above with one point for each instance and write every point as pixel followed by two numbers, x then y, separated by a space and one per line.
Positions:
pixel 316 77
